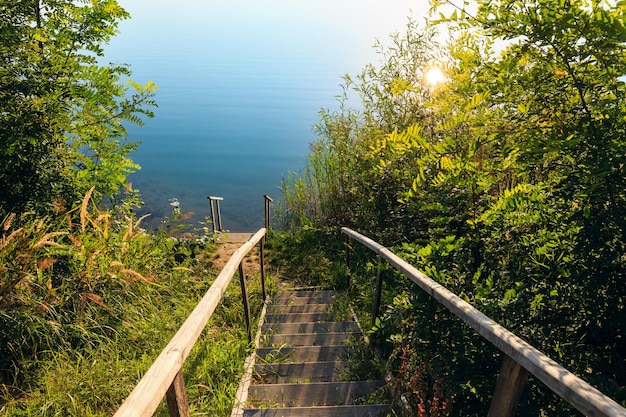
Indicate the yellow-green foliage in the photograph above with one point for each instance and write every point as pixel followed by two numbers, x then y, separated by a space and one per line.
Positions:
pixel 89 300
pixel 506 182
pixel 62 280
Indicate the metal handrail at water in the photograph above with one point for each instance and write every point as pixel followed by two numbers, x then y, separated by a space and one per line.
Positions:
pixel 164 378
pixel 519 356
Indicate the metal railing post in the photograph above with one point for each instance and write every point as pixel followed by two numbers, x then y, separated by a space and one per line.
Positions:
pixel 246 303
pixel 379 290
pixel 212 214
pixel 262 262
pixel 216 217
pixel 346 242
pixel 219 214
pixel 268 200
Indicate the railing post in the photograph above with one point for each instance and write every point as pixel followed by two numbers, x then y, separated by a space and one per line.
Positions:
pixel 379 290
pixel 246 304
pixel 219 214
pixel 346 241
pixel 509 389
pixel 347 245
pixel 176 395
pixel 216 219
pixel 268 200
pixel 262 259
pixel 212 213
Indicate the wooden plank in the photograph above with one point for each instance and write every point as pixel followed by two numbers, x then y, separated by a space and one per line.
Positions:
pixel 301 354
pixel 309 339
pixel 289 295
pixel 321 327
pixel 327 411
pixel 149 392
pixel 300 308
pixel 303 317
pixel 311 395
pixel 509 389
pixel 588 400
pixel 303 300
pixel 301 372
pixel 177 402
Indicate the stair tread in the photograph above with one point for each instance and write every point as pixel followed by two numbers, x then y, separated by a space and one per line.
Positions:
pixel 371 410
pixel 301 353
pixel 319 327
pixel 311 394
pixel 288 301
pixel 298 308
pixel 309 339
pixel 298 372
pixel 304 317
pixel 306 293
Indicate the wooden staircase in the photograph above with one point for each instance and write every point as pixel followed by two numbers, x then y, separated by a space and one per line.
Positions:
pixel 297 369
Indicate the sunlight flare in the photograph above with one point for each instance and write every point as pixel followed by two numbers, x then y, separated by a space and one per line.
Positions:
pixel 433 76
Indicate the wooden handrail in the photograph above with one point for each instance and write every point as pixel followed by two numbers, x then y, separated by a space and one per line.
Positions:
pixel 587 399
pixel 151 389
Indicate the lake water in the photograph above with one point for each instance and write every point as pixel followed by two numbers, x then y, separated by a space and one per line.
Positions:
pixel 241 84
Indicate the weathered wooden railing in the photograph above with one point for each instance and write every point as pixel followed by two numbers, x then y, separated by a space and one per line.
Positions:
pixel 519 356
pixel 164 378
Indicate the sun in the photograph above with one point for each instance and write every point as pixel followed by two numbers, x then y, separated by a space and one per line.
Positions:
pixel 434 76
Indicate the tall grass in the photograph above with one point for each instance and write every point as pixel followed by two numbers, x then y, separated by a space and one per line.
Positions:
pixel 322 191
pixel 88 300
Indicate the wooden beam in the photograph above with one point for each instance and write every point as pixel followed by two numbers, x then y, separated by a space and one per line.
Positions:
pixel 177 401
pixel 509 389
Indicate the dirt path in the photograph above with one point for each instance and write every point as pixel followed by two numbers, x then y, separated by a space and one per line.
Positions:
pixel 221 256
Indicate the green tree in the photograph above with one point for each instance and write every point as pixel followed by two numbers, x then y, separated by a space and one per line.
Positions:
pixel 341 184
pixel 62 113
pixel 506 184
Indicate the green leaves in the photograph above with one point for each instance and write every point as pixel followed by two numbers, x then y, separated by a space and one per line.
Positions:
pixel 64 111
pixel 508 182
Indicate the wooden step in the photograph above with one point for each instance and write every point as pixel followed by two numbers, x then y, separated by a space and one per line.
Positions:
pixel 300 354
pixel 309 339
pixel 302 300
pixel 321 327
pixel 297 308
pixel 327 411
pixel 307 293
pixel 304 317
pixel 302 372
pixel 304 297
pixel 311 395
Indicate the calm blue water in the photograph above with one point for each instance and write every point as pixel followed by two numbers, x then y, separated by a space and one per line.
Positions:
pixel 241 85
